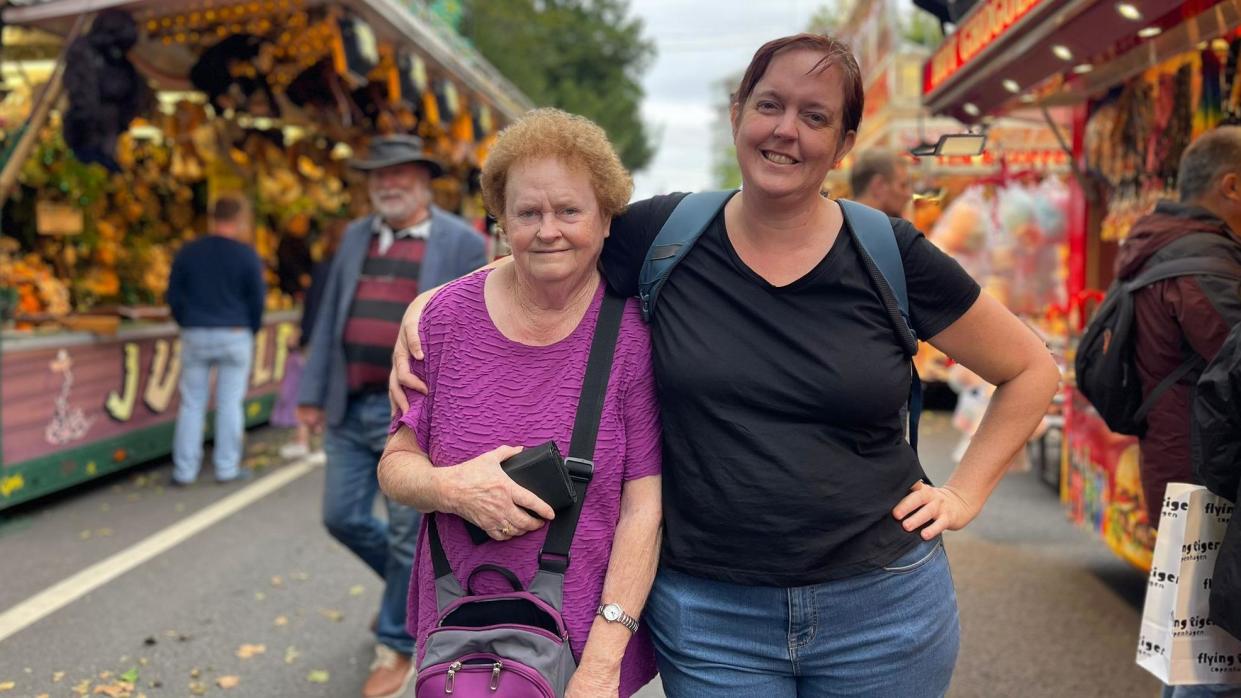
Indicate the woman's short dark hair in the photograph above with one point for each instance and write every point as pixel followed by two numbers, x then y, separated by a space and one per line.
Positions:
pixel 835 52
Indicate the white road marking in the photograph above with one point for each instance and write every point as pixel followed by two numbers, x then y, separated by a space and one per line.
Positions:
pixel 70 589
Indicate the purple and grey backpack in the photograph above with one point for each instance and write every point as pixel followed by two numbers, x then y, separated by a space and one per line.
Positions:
pixel 515 644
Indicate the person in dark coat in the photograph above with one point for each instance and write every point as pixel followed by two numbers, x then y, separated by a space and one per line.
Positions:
pixel 1187 313
pixel 1217 458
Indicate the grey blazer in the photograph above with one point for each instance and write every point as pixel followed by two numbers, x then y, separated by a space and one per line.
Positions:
pixel 453 249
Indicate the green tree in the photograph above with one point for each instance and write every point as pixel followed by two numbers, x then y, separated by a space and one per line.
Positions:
pixel 583 56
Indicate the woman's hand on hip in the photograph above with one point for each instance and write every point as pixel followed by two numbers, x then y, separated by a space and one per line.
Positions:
pixel 939 508
pixel 480 492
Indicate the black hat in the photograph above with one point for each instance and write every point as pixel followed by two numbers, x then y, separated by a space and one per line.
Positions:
pixel 386 151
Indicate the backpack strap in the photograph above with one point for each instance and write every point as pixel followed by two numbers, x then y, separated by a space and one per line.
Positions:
pixel 1171 269
pixel 1192 363
pixel 873 231
pixel 676 238
pixel 1185 266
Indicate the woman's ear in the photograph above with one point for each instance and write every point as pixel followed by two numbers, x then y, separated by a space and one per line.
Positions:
pixel 607 227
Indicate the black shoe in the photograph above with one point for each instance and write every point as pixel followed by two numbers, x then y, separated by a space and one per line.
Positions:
pixel 174 482
pixel 243 475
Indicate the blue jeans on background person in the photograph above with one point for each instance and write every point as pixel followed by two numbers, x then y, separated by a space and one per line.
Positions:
pixel 229 350
pixel 353 449
pixel 891 632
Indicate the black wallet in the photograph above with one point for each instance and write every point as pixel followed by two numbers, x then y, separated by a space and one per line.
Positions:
pixel 542 470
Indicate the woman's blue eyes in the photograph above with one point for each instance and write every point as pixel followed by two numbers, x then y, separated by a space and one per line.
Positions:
pixel 812 117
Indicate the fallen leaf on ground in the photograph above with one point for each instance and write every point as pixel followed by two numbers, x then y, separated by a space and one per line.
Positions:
pixel 281 621
pixel 105 675
pixel 116 689
pixel 198 688
pixel 7 686
pixel 248 651
pixel 44 695
pixel 300 576
pixel 131 676
pixel 259 596
pixel 143 661
pixel 357 590
pixel 291 654
pixel 332 614
pixel 228 681
pixel 82 688
pixel 319 676
pixel 57 676
pixel 103 532
pixel 84 535
pixel 195 673
pixel 277 581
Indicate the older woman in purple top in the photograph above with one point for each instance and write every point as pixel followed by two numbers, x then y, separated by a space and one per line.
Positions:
pixel 505 352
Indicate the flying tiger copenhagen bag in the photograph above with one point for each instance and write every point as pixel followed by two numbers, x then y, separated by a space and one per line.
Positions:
pixel 1178 643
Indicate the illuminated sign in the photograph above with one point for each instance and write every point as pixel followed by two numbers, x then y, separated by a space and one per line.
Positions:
pixel 985 25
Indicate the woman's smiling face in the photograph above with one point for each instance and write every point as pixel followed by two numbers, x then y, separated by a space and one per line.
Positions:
pixel 789 133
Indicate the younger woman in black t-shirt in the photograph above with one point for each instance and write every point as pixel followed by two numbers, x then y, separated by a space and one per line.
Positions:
pixel 801 552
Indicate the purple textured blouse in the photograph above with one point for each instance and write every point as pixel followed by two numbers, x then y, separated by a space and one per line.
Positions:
pixel 486 390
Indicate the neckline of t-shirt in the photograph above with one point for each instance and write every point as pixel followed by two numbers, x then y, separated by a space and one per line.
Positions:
pixel 587 321
pixel 803 280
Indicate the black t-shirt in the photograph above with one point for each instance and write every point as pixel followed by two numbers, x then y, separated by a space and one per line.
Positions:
pixel 784 449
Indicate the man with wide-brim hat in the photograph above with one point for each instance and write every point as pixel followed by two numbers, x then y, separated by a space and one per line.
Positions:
pixel 404 246
pixel 398 149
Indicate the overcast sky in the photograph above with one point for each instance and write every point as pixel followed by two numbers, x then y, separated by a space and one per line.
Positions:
pixel 700 42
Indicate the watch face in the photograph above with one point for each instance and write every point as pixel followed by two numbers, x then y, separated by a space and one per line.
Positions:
pixel 611 613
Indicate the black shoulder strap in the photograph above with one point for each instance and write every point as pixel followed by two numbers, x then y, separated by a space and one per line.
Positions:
pixel 1185 266
pixel 555 554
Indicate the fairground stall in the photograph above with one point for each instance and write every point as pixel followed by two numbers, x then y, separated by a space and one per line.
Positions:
pixel 1002 214
pixel 266 98
pixel 1142 79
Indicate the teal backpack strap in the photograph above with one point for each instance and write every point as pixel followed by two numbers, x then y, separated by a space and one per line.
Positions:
pixel 689 219
pixel 873 230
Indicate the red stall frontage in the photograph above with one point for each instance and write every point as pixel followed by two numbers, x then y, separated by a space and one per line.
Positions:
pixel 1110 63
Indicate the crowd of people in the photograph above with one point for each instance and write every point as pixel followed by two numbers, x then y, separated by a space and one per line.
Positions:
pixel 755 519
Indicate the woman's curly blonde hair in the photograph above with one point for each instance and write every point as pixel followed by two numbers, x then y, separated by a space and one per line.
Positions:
pixel 575 140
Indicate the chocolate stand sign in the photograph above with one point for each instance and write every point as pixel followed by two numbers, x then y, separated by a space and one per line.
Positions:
pixel 69 413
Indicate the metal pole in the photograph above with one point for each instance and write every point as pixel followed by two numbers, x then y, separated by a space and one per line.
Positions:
pixel 48 97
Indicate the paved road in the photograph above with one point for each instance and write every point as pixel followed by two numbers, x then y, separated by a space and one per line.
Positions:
pixel 1046 610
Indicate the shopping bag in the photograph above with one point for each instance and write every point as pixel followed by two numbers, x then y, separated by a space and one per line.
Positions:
pixel 1178 643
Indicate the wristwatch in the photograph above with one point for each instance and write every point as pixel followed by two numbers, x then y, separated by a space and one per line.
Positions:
pixel 613 613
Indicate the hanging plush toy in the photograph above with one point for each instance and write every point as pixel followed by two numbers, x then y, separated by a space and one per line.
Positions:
pixel 105 91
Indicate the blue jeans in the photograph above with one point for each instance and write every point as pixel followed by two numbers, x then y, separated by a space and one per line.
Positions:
pixel 230 351
pixel 1202 691
pixel 353 449
pixel 891 632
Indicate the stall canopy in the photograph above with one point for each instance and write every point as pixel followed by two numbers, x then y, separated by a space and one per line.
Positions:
pixel 1009 51
pixel 390 21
